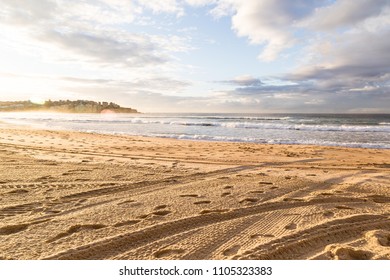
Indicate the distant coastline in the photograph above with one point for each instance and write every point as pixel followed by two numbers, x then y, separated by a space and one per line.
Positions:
pixel 65 106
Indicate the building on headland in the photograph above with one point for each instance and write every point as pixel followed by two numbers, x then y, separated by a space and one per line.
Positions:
pixel 65 106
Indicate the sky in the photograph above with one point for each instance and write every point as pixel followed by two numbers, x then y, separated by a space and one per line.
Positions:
pixel 228 56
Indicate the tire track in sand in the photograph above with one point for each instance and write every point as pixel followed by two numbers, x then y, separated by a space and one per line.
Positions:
pixel 301 244
pixel 109 247
pixel 108 188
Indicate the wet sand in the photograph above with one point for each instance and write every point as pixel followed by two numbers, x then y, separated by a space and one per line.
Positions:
pixel 70 195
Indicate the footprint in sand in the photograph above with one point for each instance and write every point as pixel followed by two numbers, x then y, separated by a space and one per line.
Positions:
pixel 82 180
pixel 107 184
pixel 126 223
pixel 248 200
pixel 144 216
pixel 11 229
pixel 341 252
pixel 161 212
pixel 326 194
pixel 380 199
pixel 163 253
pixel 126 202
pixel 291 226
pixel 209 211
pixel 189 195
pixel 44 178
pixel 74 229
pixel 328 214
pixel 265 183
pixel 256 192
pixel 160 207
pixel 18 192
pixel 202 202
pixel 49 211
pixel 342 207
pixel 380 237
pixel 231 251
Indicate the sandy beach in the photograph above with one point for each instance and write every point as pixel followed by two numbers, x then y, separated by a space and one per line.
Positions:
pixel 71 195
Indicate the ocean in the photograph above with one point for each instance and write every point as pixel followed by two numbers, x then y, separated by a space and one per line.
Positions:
pixel 347 130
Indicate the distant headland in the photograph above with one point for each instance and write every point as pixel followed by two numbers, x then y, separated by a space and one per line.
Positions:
pixel 64 106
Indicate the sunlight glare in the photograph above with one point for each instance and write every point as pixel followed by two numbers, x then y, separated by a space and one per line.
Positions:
pixel 37 100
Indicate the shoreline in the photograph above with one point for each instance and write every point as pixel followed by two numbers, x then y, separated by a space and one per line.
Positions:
pixel 7 125
pixel 362 132
pixel 76 195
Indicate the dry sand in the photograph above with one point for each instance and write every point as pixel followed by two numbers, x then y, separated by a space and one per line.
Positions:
pixel 68 195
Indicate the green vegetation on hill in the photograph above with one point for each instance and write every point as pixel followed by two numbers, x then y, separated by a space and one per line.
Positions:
pixel 65 106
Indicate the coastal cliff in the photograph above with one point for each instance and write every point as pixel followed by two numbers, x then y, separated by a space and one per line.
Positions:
pixel 65 106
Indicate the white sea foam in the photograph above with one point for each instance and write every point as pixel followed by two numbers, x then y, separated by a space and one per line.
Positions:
pixel 351 131
pixel 274 141
pixel 350 128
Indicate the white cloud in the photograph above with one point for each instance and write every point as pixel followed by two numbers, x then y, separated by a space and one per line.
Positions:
pixel 99 12
pixel 351 60
pixel 343 46
pixel 92 41
pixel 243 80
pixel 166 6
pixel 269 22
pixel 343 13
pixel 223 8
pixel 130 50
pixel 96 30
pixel 247 80
pixel 33 11
pixel 377 24
pixel 346 49
pixel 198 3
pixel 274 24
